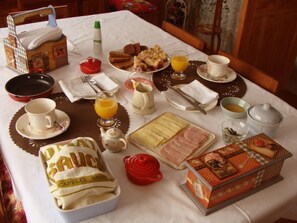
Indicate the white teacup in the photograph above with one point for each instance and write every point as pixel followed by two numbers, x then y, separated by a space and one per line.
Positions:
pixel 41 113
pixel 217 65
pixel 143 99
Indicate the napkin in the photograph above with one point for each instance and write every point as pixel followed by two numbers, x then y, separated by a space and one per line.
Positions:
pixel 195 89
pixel 75 89
pixel 34 38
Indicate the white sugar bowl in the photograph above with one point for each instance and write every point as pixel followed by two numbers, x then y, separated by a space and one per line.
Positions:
pixel 264 118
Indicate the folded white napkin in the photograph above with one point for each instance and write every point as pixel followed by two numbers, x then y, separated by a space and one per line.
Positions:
pixel 195 89
pixel 75 89
pixel 34 38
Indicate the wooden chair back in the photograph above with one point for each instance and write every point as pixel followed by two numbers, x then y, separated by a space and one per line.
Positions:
pixel 214 29
pixel 183 35
pixel 252 73
pixel 61 12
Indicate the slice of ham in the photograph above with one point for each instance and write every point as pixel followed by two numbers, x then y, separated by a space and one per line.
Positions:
pixel 171 155
pixel 185 142
pixel 183 145
pixel 195 135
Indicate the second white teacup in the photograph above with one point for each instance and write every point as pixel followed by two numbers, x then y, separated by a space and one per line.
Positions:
pixel 217 65
pixel 41 113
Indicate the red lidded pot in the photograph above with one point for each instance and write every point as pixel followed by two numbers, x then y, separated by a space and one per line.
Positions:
pixel 142 169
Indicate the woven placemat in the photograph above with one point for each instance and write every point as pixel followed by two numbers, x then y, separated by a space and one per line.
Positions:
pixel 82 124
pixel 236 88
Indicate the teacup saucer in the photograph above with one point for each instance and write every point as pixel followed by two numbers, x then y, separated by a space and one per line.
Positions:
pixel 202 72
pixel 24 129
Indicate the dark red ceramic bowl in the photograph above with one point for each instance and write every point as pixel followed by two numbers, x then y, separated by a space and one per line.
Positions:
pixel 142 169
pixel 26 87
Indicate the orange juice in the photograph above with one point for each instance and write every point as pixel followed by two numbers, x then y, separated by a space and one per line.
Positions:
pixel 179 63
pixel 106 108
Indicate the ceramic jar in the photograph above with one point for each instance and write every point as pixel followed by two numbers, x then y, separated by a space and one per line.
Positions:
pixel 142 169
pixel 263 118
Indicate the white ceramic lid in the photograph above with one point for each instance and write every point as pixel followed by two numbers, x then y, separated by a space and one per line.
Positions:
pixel 265 113
pixel 114 133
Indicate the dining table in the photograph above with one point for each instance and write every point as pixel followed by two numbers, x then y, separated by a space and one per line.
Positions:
pixel 163 201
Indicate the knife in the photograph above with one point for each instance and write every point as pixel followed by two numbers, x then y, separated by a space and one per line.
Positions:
pixel 94 83
pixel 188 98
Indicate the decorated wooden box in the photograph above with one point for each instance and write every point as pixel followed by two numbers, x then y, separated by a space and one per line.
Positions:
pixel 228 174
pixel 42 49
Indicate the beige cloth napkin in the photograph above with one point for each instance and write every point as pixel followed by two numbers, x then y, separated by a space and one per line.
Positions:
pixel 75 89
pixel 195 89
pixel 77 173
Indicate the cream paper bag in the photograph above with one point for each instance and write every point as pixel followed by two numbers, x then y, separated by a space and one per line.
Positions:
pixel 77 173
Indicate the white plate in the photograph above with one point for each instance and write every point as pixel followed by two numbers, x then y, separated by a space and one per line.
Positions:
pixel 202 72
pixel 131 69
pixel 24 129
pixel 174 103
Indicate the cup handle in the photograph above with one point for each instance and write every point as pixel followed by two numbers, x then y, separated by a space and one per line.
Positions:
pixel 157 178
pixel 125 143
pixel 125 159
pixel 51 121
pixel 145 99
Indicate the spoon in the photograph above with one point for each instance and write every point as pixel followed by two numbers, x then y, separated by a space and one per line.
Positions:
pixel 60 125
pixel 135 83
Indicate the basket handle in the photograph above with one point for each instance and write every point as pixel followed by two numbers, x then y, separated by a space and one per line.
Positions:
pixel 44 11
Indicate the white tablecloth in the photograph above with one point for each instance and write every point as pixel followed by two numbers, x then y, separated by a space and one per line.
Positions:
pixel 163 201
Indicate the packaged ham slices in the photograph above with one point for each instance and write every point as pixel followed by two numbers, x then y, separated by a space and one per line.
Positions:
pixel 172 139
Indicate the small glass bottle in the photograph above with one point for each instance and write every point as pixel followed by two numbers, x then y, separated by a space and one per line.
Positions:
pixel 97 41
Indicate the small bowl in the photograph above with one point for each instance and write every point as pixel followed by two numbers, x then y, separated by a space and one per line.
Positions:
pixel 233 131
pixel 234 107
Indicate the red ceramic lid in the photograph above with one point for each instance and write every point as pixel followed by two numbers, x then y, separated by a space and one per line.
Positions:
pixel 142 168
pixel 90 66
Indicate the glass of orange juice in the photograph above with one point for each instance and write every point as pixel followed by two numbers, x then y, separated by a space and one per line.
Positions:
pixel 106 107
pixel 179 63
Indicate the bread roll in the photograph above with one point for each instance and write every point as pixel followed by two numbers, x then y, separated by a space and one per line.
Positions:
pixel 124 65
pixel 119 54
pixel 129 49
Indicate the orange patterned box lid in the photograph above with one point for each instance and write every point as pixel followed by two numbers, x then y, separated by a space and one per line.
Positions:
pixel 233 162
